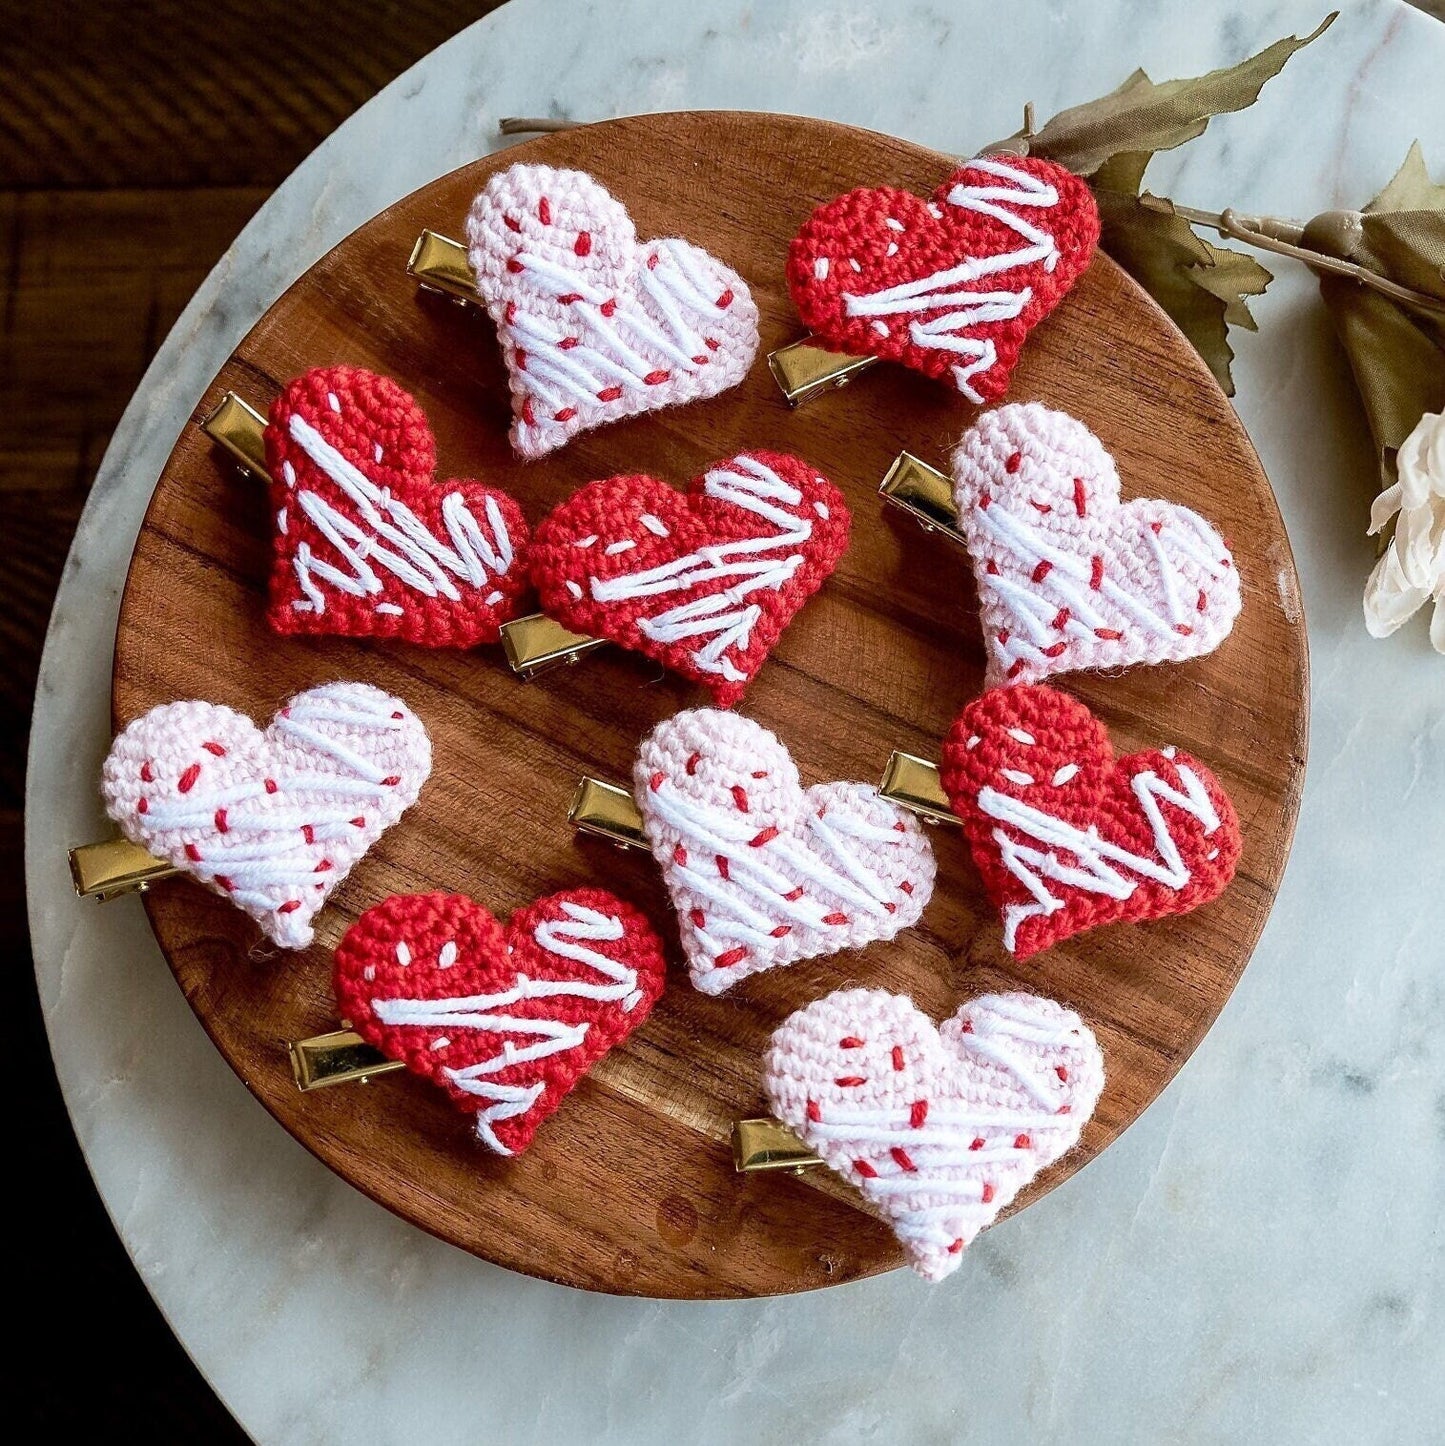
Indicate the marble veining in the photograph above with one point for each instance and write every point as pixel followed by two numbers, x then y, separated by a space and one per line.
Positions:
pixel 1257 1259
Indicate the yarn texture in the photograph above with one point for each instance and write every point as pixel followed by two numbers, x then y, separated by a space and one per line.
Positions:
pixel 762 871
pixel 704 582
pixel 1068 576
pixel 594 324
pixel 272 821
pixel 1066 837
pixel 940 1128
pixel 952 285
pixel 366 543
pixel 506 1020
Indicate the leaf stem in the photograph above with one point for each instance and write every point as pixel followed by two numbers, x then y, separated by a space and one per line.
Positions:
pixel 1282 238
pixel 522 125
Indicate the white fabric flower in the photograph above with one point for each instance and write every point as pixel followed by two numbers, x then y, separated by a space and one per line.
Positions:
pixel 1412 569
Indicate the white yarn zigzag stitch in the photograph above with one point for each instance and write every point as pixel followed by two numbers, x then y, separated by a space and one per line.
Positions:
pixel 398 540
pixel 593 335
pixel 721 620
pixel 566 939
pixel 1094 858
pixel 275 820
pixel 940 1128
pixel 1068 576
pixel 1019 190
pixel 762 872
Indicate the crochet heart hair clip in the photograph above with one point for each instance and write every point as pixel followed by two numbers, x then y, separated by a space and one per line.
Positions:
pixel 939 1127
pixel 271 820
pixel 366 542
pixel 704 582
pixel 506 1020
pixel 1069 576
pixel 762 871
pixel 1066 836
pixel 594 324
pixel 950 286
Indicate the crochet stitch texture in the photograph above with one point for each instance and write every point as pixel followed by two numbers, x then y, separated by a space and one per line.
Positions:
pixel 940 1128
pixel 1068 576
pixel 1066 837
pixel 762 871
pixel 272 821
pixel 952 285
pixel 366 542
pixel 594 324
pixel 704 582
pixel 506 1020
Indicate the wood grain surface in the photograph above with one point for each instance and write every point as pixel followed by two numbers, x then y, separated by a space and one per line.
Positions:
pixel 630 1187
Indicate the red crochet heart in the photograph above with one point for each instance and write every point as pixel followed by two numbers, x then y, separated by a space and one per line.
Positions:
pixel 953 285
pixel 704 582
pixel 506 1020
pixel 1065 836
pixel 367 543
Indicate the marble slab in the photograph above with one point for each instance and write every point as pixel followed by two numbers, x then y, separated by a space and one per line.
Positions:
pixel 1257 1259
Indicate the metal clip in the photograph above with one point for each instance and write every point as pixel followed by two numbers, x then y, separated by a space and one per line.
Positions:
pixel 913 783
pixel 238 428
pixel 440 264
pixel 924 492
pixel 804 369
pixel 106 870
pixel 608 812
pixel 535 643
pixel 341 1057
pixel 768 1145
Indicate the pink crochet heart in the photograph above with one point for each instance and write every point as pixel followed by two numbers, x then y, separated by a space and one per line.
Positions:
pixel 594 324
pixel 367 542
pixel 1068 576
pixel 940 1128
pixel 761 870
pixel 506 1020
pixel 275 820
pixel 705 582
pixel 952 285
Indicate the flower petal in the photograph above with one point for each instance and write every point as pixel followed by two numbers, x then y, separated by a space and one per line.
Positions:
pixel 1384 507
pixel 1390 597
pixel 1420 462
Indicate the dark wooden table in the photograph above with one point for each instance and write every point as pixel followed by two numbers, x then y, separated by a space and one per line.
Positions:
pixel 135 142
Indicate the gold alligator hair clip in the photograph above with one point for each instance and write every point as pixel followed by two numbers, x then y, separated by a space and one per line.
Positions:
pixel 946 284
pixel 924 493
pixel 806 369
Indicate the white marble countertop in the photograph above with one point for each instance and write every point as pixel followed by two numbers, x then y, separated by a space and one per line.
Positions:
pixel 1257 1259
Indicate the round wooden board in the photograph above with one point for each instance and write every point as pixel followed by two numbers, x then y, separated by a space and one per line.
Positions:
pixel 630 1187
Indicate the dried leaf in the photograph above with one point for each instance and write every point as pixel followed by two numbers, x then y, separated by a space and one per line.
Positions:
pixel 1145 116
pixel 1232 276
pixel 1202 287
pixel 1410 188
pixel 1112 140
pixel 1397 353
pixel 1409 247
